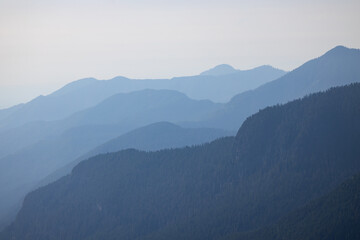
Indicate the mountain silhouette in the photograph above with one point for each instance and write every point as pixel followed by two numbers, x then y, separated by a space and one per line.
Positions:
pixel 88 92
pixel 56 144
pixel 36 149
pixel 222 69
pixel 282 158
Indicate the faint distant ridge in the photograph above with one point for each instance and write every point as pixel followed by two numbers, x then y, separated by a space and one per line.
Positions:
pixel 218 70
pixel 75 85
pixel 226 69
pixel 88 92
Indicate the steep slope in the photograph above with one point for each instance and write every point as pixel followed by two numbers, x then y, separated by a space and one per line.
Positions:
pixel 339 66
pixel 88 92
pixel 282 158
pixel 334 216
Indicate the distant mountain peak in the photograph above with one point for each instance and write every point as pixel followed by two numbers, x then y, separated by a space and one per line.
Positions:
pixel 221 69
pixel 266 67
pixel 339 51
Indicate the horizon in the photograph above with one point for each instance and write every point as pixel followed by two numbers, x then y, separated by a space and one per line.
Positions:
pixel 48 45
pixel 47 91
pixel 54 89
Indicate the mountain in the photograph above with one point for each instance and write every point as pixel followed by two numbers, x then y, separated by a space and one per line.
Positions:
pixel 337 67
pixel 218 70
pixel 4 113
pixel 114 116
pixel 157 136
pixel 143 107
pixel 334 216
pixel 49 146
pixel 131 110
pixel 223 87
pixel 153 137
pixel 20 172
pixel 88 92
pixel 282 158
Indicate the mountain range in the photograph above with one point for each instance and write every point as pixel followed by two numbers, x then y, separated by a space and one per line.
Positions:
pixel 282 159
pixel 337 67
pixel 153 137
pixel 86 93
pixel 44 139
pixel 69 139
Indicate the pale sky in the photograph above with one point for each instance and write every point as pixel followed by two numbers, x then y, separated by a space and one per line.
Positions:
pixel 45 44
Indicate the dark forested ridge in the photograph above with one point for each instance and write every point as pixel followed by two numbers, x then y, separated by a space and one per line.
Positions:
pixel 334 216
pixel 282 158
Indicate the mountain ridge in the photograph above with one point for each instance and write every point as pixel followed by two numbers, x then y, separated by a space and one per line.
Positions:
pixel 281 158
pixel 319 74
pixel 221 69
pixel 88 92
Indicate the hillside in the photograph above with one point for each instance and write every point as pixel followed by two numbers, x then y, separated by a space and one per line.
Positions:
pixel 282 158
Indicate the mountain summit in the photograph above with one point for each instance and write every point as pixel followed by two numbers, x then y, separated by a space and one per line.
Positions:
pixel 218 70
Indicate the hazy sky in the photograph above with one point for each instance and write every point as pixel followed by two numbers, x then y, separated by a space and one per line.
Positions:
pixel 47 43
